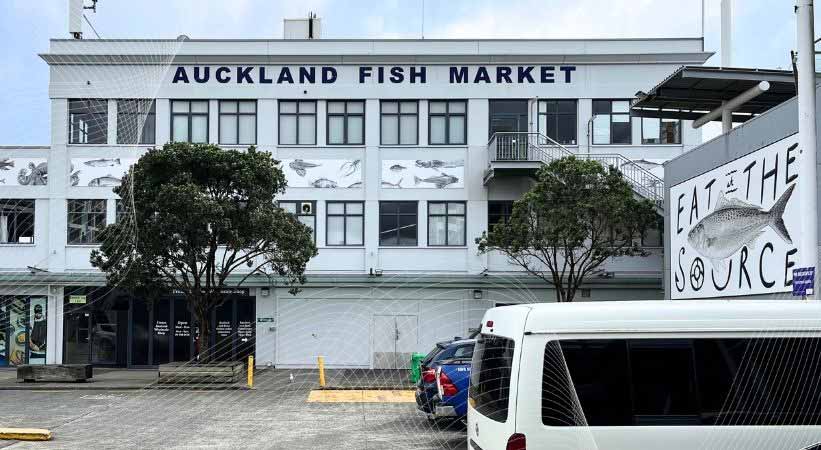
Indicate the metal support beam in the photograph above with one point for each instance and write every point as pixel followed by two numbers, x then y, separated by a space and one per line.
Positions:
pixel 731 105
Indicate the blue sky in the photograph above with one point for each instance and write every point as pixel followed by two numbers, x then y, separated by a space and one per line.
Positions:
pixel 763 36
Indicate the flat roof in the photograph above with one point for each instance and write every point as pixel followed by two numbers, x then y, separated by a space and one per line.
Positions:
pixel 679 51
pixel 692 91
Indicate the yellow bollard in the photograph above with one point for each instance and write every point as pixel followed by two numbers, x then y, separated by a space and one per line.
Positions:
pixel 321 361
pixel 251 372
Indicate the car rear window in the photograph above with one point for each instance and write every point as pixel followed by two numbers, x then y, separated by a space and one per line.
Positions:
pixel 490 376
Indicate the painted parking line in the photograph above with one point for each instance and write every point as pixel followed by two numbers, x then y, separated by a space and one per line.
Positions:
pixel 25 434
pixel 361 396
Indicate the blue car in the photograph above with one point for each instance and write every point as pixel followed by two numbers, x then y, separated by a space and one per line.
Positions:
pixel 442 391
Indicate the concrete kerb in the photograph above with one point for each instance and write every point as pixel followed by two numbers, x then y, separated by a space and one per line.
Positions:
pixel 25 434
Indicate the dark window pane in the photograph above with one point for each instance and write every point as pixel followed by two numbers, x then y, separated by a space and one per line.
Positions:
pixel 621 132
pixel 490 376
pixel 601 106
pixel 407 230
pixel 388 225
pixel 663 382
pixel 88 121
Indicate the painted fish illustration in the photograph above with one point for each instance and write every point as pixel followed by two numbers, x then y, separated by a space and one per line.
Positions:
pixel 439 181
pixel 397 168
pixel 348 168
pixel 299 166
pixel 105 181
pixel 388 184
pixel 438 164
pixel 103 162
pixel 358 184
pixel 6 164
pixel 324 183
pixel 734 224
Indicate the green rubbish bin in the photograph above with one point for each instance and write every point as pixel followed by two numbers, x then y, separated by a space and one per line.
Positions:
pixel 416 367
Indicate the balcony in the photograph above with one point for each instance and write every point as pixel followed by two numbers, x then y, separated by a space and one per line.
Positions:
pixel 523 153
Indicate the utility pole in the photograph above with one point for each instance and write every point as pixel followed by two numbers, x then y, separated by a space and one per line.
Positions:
pixel 808 197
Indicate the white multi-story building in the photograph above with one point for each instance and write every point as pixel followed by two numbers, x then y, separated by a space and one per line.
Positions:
pixel 399 153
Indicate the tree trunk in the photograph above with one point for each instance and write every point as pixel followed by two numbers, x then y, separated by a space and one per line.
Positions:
pixel 203 343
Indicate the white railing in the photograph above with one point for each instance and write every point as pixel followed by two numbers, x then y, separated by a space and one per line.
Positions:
pixel 536 147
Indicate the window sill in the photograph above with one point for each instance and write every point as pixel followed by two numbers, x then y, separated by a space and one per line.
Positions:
pixel 661 145
pixel 354 247
pixel 83 245
pixel 15 244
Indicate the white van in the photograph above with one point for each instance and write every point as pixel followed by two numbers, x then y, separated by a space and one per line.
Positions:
pixel 644 375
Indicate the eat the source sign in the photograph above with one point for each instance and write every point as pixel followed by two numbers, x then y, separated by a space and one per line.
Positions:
pixel 735 229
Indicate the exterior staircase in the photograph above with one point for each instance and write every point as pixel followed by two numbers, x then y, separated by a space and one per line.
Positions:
pixel 518 151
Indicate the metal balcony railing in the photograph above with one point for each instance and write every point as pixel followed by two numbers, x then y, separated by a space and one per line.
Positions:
pixel 536 147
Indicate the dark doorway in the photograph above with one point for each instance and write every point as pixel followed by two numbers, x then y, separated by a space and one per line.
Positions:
pixel 94 327
pixel 508 116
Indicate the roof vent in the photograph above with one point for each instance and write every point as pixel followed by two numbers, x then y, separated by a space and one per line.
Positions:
pixel 309 28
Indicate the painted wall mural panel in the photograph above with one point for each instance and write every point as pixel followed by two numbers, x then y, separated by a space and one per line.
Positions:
pixel 735 230
pixel 323 173
pixel 23 171
pixel 423 174
pixel 99 172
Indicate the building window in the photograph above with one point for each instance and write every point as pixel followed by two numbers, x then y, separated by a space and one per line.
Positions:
pixel 189 121
pixel 397 224
pixel 447 122
pixel 345 223
pixel 16 221
pixel 305 212
pixel 557 120
pixel 238 122
pixel 446 223
pixel 660 131
pixel 85 220
pixel 399 122
pixel 297 122
pixel 498 212
pixel 136 121
pixel 88 121
pixel 611 122
pixel 346 123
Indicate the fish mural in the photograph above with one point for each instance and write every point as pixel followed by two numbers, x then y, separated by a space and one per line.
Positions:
pixel 103 162
pixel 6 164
pixel 439 181
pixel 439 164
pixel 300 167
pixel 34 175
pixel 105 181
pixel 442 173
pixel 324 183
pixel 388 184
pixel 323 174
pixel 734 224
pixel 348 168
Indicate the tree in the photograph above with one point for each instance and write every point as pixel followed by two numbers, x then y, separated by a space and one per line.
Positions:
pixel 200 219
pixel 576 216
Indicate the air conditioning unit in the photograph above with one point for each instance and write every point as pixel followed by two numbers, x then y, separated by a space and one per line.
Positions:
pixel 306 208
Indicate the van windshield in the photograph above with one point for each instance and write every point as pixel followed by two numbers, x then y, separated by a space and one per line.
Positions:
pixel 490 376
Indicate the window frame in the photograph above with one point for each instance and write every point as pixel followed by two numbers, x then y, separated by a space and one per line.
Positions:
pixel 190 115
pixel 447 114
pixel 69 212
pixel 629 115
pixel 557 115
pixel 104 114
pixel 344 216
pixel 398 214
pixel 237 114
pixel 150 114
pixel 297 114
pixel 508 206
pixel 446 215
pixel 14 215
pixel 398 114
pixel 678 124
pixel 299 213
pixel 345 115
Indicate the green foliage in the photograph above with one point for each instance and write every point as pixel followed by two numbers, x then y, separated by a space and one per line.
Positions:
pixel 197 214
pixel 576 216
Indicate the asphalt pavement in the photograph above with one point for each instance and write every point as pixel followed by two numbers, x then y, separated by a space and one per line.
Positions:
pixel 275 415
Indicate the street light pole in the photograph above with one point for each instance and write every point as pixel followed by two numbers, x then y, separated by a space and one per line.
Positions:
pixel 805 38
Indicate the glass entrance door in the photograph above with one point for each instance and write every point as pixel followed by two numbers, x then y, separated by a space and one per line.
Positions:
pixel 508 117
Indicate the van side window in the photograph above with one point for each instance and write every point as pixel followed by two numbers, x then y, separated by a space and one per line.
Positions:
pixel 490 376
pixel 606 399
pixel 726 382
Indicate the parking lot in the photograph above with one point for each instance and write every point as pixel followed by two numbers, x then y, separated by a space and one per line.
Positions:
pixel 269 417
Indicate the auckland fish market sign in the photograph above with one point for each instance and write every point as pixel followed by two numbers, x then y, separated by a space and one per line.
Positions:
pixel 735 229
